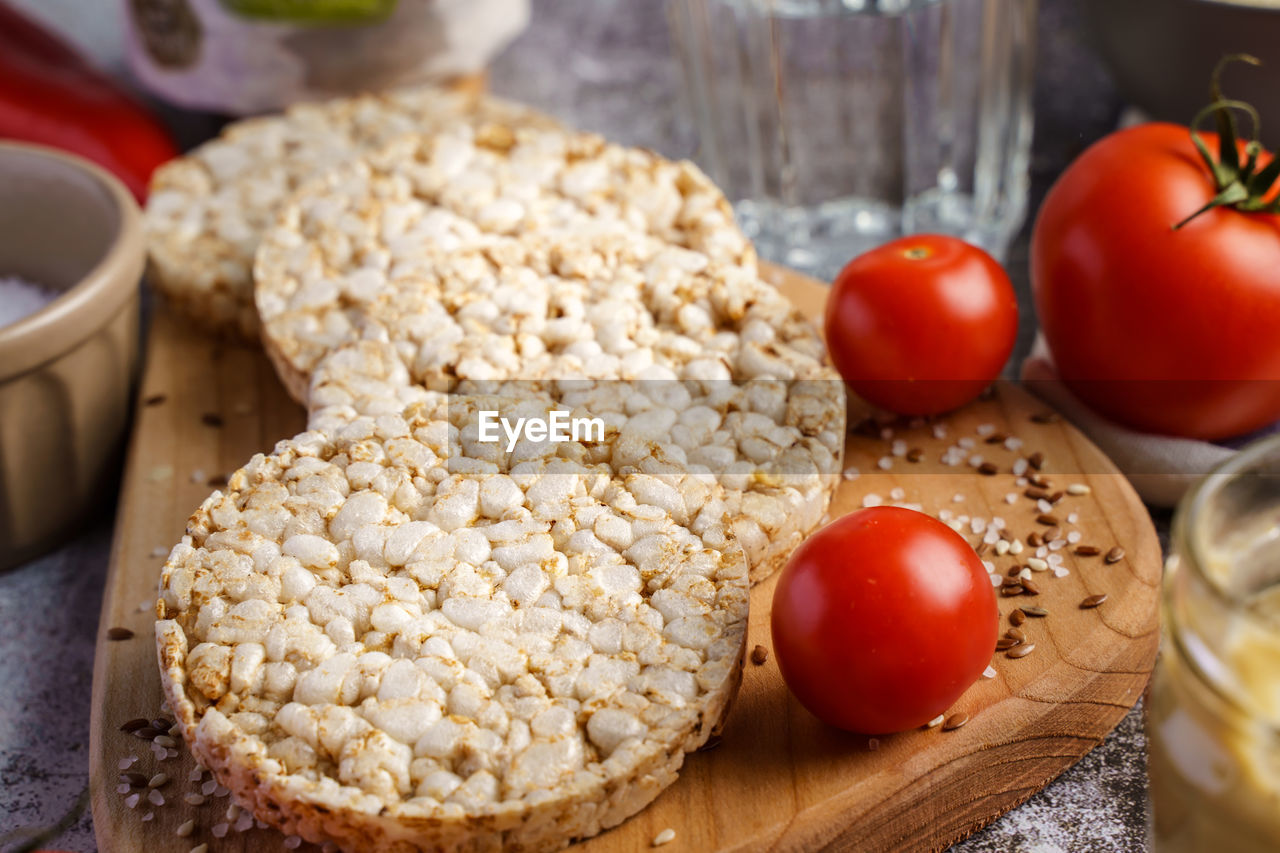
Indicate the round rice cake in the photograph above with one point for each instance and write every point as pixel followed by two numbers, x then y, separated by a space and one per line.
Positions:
pixel 401 639
pixel 455 209
pixel 207 210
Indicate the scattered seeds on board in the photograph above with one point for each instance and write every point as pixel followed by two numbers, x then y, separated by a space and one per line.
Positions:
pixel 119 634
pixel 665 837
pixel 759 655
pixel 955 721
pixel 1021 650
pixel 1093 601
pixel 1115 555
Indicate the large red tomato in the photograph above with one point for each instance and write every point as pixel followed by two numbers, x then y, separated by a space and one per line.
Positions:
pixel 1167 330
pixel 921 325
pixel 882 619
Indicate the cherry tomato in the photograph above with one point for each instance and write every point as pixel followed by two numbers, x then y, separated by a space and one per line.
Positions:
pixel 1167 330
pixel 882 619
pixel 921 325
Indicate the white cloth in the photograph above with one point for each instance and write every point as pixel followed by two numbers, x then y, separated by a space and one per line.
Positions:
pixel 1159 466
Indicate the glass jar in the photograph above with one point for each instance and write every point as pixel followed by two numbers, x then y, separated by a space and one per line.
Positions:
pixel 1213 722
pixel 838 125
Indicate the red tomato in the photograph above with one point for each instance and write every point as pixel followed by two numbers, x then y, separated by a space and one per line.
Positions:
pixel 882 619
pixel 921 325
pixel 1170 331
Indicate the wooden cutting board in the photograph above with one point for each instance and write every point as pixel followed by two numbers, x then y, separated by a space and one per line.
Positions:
pixel 779 780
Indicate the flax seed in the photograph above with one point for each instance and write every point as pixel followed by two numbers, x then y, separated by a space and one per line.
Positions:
pixel 1046 417
pixel 1087 551
pixel 988 469
pixel 955 721
pixel 1093 601
pixel 119 634
pixel 1016 635
pixel 1004 644
pixel 997 438
pixel 1057 496
pixel 1115 555
pixel 1051 534
pixel 1036 460
pixel 1036 493
pixel 1034 611
pixel 1047 519
pixel 1017 617
pixel 1034 540
pixel 1021 650
pixel 133 780
pixel 1010 591
pixel 133 725
pixel 1029 588
pixel 915 454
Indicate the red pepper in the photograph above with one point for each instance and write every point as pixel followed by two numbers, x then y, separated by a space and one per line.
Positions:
pixel 51 96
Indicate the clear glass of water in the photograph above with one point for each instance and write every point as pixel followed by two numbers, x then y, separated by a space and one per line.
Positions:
pixel 838 125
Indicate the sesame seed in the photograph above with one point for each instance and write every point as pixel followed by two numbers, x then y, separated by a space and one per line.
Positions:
pixel 1078 489
pixel 885 463
pixel 966 442
pixel 898 494
pixel 193 799
pixel 1011 498
pixel 127 762
pixel 148 816
pixel 208 787
pixel 1002 547
pixel 665 837
pixel 132 800
pixel 872 499
pixel 1074 536
pixel 1060 572
pixel 851 473
pixel 1019 467
pixel 166 741
pixel 155 797
pixel 899 448
pixel 989 566
pixel 939 431
pixel 995 580
pixel 200 848
pixel 158 780
pixel 186 828
pixel 293 842
pixel 1013 443
pixel 220 830
pixel 1073 518
pixel 957 498
pixel 123 788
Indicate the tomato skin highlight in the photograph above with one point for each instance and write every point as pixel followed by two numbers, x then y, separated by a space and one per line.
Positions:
pixel 1163 330
pixel 921 325
pixel 882 619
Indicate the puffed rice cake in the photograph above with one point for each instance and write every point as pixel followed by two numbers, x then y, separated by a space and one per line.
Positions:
pixel 402 640
pixel 457 207
pixel 633 273
pixel 207 210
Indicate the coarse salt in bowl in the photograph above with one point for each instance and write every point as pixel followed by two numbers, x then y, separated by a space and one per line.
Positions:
pixel 71 257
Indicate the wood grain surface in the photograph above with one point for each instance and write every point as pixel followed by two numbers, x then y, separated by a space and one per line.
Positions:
pixel 779 779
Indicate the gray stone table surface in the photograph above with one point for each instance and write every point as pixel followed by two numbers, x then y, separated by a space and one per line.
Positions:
pixel 602 65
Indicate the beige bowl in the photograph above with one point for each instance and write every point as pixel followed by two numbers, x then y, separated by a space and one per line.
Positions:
pixel 66 371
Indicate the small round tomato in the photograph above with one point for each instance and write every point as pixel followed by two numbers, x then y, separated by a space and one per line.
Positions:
pixel 882 619
pixel 921 325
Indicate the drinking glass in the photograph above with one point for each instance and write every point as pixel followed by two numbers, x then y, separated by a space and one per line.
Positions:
pixel 838 125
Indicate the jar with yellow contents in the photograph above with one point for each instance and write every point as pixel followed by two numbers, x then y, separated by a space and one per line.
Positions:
pixel 1213 722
